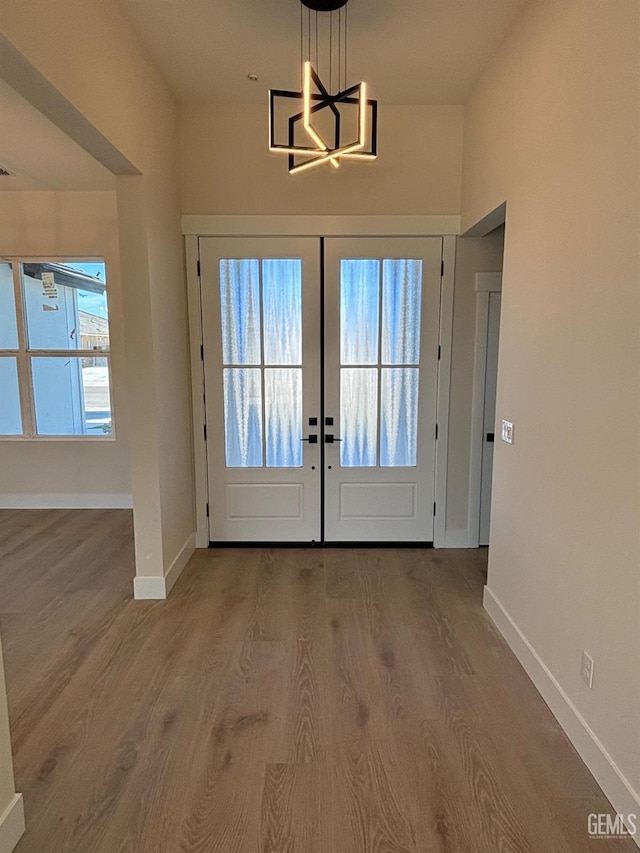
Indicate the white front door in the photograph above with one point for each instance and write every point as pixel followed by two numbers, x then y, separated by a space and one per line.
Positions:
pixel 261 351
pixel 321 424
pixel 382 317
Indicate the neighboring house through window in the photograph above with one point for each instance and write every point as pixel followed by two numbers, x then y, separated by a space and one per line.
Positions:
pixel 54 350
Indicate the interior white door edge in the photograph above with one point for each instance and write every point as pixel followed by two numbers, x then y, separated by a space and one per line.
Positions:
pixel 194 306
pixel 444 387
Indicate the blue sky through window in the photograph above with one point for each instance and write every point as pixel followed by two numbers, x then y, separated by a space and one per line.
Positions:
pixel 92 303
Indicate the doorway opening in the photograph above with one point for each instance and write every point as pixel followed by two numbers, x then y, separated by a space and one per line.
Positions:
pixel 488 290
pixel 320 374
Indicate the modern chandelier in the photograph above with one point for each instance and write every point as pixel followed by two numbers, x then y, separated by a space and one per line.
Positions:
pixel 326 127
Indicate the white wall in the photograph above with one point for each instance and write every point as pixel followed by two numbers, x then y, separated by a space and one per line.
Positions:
pixel 553 129
pixel 226 167
pixel 111 98
pixel 69 473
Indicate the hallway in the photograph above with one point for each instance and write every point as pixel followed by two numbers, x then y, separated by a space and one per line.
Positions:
pixel 316 701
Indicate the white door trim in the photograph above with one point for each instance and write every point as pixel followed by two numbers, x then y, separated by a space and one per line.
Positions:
pixel 249 225
pixel 486 283
pixel 197 391
pixel 444 388
pixel 213 225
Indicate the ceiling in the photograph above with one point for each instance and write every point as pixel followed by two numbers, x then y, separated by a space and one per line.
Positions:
pixel 409 51
pixel 39 155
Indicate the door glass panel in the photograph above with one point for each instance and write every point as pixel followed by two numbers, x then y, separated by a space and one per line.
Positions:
pixel 283 410
pixel 243 417
pixel 282 307
pixel 398 416
pixel 8 326
pixel 358 416
pixel 240 310
pixel 359 311
pixel 401 292
pixel 71 398
pixel 10 418
pixel 66 307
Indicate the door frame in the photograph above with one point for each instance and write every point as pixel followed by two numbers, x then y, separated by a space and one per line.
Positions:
pixel 485 284
pixel 195 226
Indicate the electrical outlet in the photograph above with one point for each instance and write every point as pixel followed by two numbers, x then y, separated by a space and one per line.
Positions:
pixel 507 432
pixel 587 669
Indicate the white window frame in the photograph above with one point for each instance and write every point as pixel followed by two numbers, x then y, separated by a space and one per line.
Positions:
pixel 23 355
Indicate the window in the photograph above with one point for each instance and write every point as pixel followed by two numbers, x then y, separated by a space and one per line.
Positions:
pixel 380 305
pixel 54 350
pixel 261 316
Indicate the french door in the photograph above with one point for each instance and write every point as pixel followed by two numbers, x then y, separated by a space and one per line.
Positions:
pixel 320 366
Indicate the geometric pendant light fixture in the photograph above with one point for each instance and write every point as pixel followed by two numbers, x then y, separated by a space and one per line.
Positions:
pixel 318 126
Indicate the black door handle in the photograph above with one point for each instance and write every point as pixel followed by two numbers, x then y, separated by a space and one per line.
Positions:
pixel 329 438
pixel 313 439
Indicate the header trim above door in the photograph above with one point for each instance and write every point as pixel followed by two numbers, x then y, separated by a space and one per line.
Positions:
pixel 320 226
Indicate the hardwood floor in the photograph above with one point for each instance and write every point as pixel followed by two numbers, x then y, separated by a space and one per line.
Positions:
pixel 281 701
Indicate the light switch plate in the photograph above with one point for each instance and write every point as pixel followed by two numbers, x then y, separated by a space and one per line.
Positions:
pixel 507 432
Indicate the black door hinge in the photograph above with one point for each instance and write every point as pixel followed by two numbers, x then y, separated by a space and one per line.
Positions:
pixel 441 268
pixel 434 509
pixel 439 352
pixel 436 432
pixel 201 352
pixel 198 264
pixel 205 432
pixel 207 510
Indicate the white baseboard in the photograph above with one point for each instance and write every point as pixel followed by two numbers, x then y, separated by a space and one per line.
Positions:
pixel 66 501
pixel 175 569
pixel 149 587
pixel 156 587
pixel 12 825
pixel 607 774
pixel 459 539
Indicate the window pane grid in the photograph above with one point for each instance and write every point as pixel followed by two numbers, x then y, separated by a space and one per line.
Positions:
pixel 380 311
pixel 262 326
pixel 62 354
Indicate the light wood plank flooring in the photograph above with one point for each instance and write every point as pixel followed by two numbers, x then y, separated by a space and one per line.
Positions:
pixel 281 701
